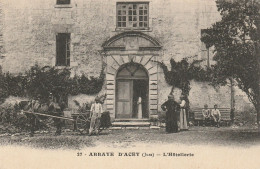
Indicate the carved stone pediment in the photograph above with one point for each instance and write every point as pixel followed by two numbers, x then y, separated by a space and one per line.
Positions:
pixel 131 41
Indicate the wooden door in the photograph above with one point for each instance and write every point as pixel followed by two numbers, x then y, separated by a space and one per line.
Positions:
pixel 124 99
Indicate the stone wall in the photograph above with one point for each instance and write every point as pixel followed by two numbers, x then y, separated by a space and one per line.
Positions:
pixel 30 28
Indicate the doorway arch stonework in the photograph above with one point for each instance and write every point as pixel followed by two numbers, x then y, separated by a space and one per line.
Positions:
pixel 126 48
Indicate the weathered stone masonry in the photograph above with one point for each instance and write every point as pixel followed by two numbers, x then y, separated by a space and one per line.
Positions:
pixel 29 37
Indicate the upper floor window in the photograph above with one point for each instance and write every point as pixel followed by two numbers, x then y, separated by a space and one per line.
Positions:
pixel 63 49
pixel 133 15
pixel 61 2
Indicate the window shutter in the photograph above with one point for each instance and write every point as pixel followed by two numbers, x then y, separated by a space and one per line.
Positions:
pixel 63 49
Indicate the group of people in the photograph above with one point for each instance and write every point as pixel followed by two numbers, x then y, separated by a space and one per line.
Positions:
pixel 53 108
pixel 177 117
pixel 50 107
pixel 175 113
pixel 209 115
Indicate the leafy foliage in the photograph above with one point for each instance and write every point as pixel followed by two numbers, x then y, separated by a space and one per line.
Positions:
pixel 41 81
pixel 11 121
pixel 85 85
pixel 181 73
pixel 236 39
pixel 11 85
pixel 46 80
pixel 82 108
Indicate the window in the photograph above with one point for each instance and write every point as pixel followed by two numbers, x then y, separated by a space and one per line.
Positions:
pixel 63 49
pixel 61 2
pixel 132 15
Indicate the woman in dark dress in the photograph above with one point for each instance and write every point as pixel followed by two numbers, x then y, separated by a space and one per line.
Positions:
pixel 172 112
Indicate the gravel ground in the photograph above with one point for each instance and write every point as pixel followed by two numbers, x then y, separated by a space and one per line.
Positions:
pixel 224 136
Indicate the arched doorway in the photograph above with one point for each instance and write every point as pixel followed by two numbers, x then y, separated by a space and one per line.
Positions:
pixel 132 83
pixel 139 50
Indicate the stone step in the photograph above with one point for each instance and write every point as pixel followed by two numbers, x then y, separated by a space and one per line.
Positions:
pixel 131 124
pixel 136 128
pixel 131 120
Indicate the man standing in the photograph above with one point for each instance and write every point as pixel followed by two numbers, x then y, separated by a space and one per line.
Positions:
pixel 172 108
pixel 96 111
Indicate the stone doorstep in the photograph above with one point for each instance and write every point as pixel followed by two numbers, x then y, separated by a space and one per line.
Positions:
pixel 134 128
pixel 155 127
pixel 131 124
pixel 131 120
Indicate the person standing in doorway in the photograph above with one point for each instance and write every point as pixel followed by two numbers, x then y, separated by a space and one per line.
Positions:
pixel 139 104
pixel 96 111
pixel 183 117
pixel 171 107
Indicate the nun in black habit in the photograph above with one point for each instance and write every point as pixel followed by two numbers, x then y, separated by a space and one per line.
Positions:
pixel 172 109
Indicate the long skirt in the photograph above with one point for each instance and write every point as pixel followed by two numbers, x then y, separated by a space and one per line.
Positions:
pixel 171 126
pixel 183 120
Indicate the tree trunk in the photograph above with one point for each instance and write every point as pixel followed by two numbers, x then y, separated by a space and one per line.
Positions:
pixel 257 106
pixel 232 100
pixel 258 92
pixel 258 117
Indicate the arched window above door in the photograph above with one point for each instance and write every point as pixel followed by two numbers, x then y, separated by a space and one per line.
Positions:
pixel 131 40
pixel 132 71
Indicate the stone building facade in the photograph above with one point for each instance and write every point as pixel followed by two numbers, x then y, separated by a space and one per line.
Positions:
pixel 129 37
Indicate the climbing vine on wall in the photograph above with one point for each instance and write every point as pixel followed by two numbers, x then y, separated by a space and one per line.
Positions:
pixel 181 73
pixel 41 81
pixel 83 84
